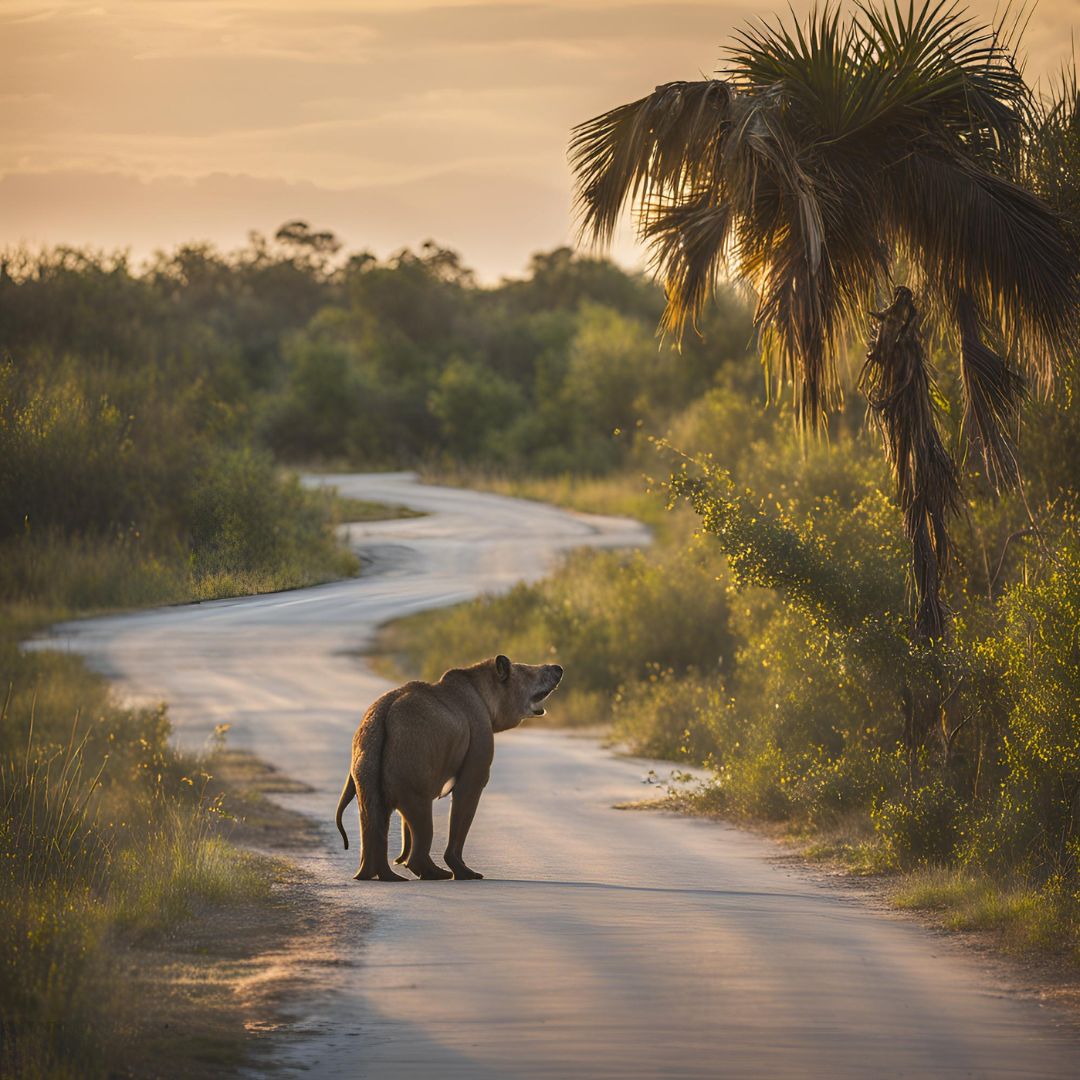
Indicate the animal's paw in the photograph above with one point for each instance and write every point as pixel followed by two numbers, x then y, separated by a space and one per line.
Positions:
pixel 465 874
pixel 387 874
pixel 432 873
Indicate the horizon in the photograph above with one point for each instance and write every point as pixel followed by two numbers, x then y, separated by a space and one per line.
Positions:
pixel 135 129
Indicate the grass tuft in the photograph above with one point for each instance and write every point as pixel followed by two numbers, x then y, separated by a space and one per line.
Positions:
pixel 1024 918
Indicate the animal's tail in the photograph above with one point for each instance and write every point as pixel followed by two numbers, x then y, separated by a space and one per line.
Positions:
pixel 348 793
pixel 367 763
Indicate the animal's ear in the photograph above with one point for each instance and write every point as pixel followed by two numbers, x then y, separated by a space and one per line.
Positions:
pixel 502 667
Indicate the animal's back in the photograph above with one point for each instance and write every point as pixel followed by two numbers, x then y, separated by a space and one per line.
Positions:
pixel 426 738
pixel 368 737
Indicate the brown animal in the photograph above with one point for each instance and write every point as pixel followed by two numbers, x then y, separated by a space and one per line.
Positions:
pixel 424 740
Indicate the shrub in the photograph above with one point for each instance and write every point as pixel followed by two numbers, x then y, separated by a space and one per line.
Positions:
pixel 828 789
pixel 473 405
pixel 102 508
pixel 1037 653
pixel 669 716
pixel 613 617
pixel 754 784
pixel 67 461
pixel 251 530
pixel 919 826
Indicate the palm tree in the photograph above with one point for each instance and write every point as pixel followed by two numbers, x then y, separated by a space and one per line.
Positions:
pixel 823 158
pixel 1053 155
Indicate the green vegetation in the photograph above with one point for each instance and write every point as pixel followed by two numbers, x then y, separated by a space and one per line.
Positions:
pixel 318 358
pixel 770 639
pixel 123 484
pixel 146 418
pixel 530 377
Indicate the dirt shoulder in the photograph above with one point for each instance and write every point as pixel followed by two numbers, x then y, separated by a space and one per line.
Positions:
pixel 1042 975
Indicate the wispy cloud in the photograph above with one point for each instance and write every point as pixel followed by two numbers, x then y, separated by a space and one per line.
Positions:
pixel 347 94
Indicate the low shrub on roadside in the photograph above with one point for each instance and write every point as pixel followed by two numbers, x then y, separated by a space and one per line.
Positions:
pixel 918 825
pixel 669 716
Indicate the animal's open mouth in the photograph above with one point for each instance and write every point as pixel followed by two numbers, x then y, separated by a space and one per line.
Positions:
pixel 539 696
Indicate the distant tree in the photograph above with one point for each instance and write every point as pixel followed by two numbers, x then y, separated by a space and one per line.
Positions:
pixel 299 236
pixel 613 372
pixel 563 279
pixel 443 264
pixel 472 404
pixel 825 159
pixel 424 298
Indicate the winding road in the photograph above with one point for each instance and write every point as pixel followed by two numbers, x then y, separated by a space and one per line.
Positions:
pixel 603 943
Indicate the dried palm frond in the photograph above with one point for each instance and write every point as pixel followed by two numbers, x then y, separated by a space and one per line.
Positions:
pixel 898 385
pixel 661 144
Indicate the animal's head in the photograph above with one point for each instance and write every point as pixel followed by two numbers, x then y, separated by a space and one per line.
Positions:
pixel 520 690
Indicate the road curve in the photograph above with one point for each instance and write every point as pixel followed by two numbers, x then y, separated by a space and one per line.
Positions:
pixel 603 943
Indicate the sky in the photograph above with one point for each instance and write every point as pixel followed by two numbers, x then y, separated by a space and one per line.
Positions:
pixel 143 124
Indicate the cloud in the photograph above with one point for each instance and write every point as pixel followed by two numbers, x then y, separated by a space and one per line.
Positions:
pixel 495 223
pixel 158 68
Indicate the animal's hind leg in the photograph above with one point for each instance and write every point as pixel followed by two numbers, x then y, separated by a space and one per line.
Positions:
pixel 406 842
pixel 373 861
pixel 417 812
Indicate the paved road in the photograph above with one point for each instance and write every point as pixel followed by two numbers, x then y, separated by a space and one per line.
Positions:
pixel 603 942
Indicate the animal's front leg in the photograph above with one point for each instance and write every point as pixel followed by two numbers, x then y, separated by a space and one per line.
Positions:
pixel 466 797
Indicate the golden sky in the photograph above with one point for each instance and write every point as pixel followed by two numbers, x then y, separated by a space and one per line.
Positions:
pixel 143 123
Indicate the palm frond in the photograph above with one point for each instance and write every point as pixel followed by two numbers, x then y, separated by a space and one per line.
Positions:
pixel 974 233
pixel 688 242
pixel 947 67
pixel 818 66
pixel 993 394
pixel 662 144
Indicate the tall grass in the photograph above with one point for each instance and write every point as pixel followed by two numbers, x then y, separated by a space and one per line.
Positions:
pixel 48 823
pixel 1025 917
pixel 107 833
